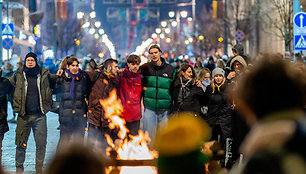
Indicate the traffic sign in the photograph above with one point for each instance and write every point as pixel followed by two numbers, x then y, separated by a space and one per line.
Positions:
pixel 299 21
pixel 239 35
pixel 8 29
pixel 300 42
pixel 7 43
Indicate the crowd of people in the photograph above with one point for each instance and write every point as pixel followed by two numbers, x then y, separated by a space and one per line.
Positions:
pixel 231 97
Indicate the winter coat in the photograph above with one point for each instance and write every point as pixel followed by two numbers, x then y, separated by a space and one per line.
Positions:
pixel 44 84
pixel 218 105
pixel 157 85
pixel 72 106
pixel 100 90
pixel 6 73
pixel 129 92
pixel 189 98
pixel 275 144
pixel 5 88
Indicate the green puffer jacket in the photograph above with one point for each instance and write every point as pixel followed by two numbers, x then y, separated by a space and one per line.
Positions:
pixel 18 80
pixel 157 84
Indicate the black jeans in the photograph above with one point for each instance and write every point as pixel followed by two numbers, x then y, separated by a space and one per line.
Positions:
pixel 38 124
pixel 133 127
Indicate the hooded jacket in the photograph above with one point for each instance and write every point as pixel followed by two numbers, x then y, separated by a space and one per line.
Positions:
pixel 129 92
pixel 157 85
pixel 20 83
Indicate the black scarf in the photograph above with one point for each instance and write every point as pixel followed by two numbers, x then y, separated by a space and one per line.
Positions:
pixel 31 72
pixel 184 91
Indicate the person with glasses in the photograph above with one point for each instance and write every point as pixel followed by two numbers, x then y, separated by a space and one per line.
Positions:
pixel 129 92
pixel 32 100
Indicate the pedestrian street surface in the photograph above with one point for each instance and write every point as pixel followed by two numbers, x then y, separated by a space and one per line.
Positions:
pixel 9 147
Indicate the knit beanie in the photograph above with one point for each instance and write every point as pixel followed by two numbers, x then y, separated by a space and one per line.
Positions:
pixel 31 54
pixel 218 71
pixel 179 145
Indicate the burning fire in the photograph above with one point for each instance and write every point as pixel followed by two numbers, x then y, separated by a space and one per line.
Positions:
pixel 127 148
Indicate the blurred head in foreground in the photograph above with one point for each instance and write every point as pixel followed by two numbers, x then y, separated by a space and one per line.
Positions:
pixel 179 145
pixel 273 85
pixel 75 158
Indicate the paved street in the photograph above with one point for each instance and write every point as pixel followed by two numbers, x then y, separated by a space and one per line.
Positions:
pixel 9 147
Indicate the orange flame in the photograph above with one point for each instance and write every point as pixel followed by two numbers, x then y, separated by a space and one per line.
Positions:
pixel 132 148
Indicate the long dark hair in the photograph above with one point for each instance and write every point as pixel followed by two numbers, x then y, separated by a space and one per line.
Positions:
pixel 184 68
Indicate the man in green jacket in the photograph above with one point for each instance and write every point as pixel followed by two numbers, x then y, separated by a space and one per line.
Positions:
pixel 158 76
pixel 32 100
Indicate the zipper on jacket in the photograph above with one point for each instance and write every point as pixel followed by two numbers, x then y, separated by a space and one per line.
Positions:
pixel 156 90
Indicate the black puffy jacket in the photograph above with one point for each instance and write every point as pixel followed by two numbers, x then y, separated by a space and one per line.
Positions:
pixel 5 88
pixel 218 105
pixel 69 106
pixel 192 99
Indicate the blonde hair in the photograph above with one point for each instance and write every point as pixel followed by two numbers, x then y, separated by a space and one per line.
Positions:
pixel 214 85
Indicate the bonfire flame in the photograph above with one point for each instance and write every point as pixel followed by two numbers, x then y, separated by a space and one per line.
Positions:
pixel 132 148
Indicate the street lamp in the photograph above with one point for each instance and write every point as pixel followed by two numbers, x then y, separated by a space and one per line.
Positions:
pixel 92 31
pixel 101 31
pixel 187 42
pixel 86 25
pixel 184 14
pixel 201 37
pixel 168 40
pixel 158 30
pixel 171 14
pixel 163 24
pixel 97 24
pixel 92 14
pixel 154 35
pixel 162 36
pixel 189 19
pixel 80 15
pixel 173 23
pixel 167 30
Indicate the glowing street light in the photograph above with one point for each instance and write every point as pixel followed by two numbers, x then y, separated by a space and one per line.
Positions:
pixel 173 23
pixel 187 42
pixel 163 24
pixel 80 15
pixel 101 31
pixel 168 40
pixel 158 30
pixel 190 39
pixel 189 19
pixel 92 14
pixel 154 35
pixel 86 25
pixel 167 30
pixel 92 31
pixel 184 14
pixel 171 14
pixel 97 24
pixel 220 39
pixel 162 36
pixel 201 37
pixel 96 36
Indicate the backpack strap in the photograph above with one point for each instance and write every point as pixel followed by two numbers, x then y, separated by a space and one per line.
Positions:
pixel 97 75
